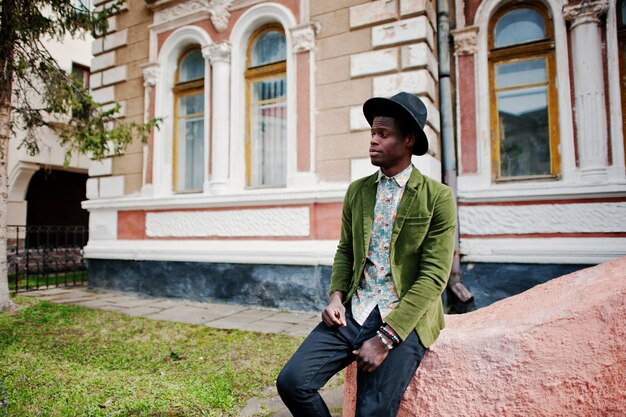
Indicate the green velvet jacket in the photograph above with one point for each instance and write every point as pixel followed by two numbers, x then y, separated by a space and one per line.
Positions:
pixel 422 246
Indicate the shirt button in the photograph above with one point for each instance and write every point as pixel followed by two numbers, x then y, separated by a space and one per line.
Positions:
pixel 362 261
pixel 379 291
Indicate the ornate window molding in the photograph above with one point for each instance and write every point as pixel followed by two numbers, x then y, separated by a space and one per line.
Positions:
pixel 249 22
pixel 465 41
pixel 479 185
pixel 304 36
pixel 588 11
pixel 166 11
pixel 163 152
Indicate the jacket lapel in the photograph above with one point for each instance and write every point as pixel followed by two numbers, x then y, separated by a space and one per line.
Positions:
pixel 369 203
pixel 408 198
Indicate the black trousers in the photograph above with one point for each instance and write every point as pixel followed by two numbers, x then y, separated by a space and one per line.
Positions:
pixel 326 351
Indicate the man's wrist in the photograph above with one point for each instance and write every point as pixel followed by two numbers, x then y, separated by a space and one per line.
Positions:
pixel 336 296
pixel 390 334
pixel 385 341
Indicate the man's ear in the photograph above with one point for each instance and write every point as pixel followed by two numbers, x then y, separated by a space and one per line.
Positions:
pixel 411 140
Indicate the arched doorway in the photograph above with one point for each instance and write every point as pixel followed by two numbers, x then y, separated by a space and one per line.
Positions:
pixel 54 198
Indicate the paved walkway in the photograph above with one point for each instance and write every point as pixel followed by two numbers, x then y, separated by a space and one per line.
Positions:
pixel 221 316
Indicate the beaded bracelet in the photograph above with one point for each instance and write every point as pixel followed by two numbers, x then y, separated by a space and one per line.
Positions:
pixel 394 339
pixel 384 340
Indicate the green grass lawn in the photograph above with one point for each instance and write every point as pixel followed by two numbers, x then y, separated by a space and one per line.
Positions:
pixel 59 360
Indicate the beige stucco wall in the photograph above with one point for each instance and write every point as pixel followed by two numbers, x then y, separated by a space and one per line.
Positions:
pixel 335 91
pixel 133 54
pixel 364 49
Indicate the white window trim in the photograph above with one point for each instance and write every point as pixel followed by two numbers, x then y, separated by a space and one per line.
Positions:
pixel 162 174
pixel 480 185
pixel 250 21
pixel 616 134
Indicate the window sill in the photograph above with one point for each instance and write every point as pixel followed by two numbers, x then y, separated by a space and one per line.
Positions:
pixel 318 193
pixel 474 189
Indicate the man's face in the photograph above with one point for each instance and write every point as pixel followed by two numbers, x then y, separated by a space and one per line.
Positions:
pixel 388 149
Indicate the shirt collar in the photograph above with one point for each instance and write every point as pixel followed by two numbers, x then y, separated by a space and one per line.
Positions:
pixel 400 178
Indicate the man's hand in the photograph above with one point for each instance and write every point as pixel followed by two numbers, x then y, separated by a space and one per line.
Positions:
pixel 335 313
pixel 371 354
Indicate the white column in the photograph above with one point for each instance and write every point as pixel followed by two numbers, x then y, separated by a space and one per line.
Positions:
pixel 302 42
pixel 219 56
pixel 150 77
pixel 590 108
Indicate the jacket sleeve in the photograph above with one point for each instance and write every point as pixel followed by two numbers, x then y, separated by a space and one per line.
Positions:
pixel 341 275
pixel 434 270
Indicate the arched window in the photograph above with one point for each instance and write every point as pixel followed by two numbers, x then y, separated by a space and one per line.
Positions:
pixel 266 95
pixel 189 122
pixel 621 36
pixel 523 95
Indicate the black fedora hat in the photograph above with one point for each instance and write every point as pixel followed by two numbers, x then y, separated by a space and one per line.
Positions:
pixel 405 106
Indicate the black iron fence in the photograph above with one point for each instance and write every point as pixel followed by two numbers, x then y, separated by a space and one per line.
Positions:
pixel 46 256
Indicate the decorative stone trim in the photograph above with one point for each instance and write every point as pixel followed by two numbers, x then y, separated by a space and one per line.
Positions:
pixel 230 223
pixel 373 12
pixel 217 52
pixel 99 169
pixel 179 10
pixel 216 9
pixel 542 218
pixel 95 80
pixel 115 75
pixel 220 14
pixel 112 186
pixel 374 62
pixel 578 250
pixel 104 245
pixel 415 82
pixel 103 61
pixel 465 40
pixel 587 11
pixel 115 40
pixel 150 74
pixel 407 30
pixel 122 110
pixel 104 95
pixel 357 119
pixel 419 55
pixel 97 46
pixel 414 7
pixel 92 188
pixel 303 36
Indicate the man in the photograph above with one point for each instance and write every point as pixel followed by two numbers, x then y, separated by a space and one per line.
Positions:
pixel 391 266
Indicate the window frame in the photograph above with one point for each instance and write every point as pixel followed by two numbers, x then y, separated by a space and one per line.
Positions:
pixel 179 90
pixel 255 74
pixel 543 48
pixel 83 70
pixel 621 45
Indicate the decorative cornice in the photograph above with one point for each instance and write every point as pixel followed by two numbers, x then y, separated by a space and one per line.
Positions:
pixel 217 52
pixel 150 74
pixel 168 13
pixel 587 11
pixel 220 14
pixel 217 10
pixel 303 36
pixel 465 40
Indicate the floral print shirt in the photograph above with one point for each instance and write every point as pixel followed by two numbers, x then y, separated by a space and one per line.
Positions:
pixel 377 286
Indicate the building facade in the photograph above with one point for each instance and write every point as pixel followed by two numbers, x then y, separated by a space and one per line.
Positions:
pixel 33 179
pixel 237 196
